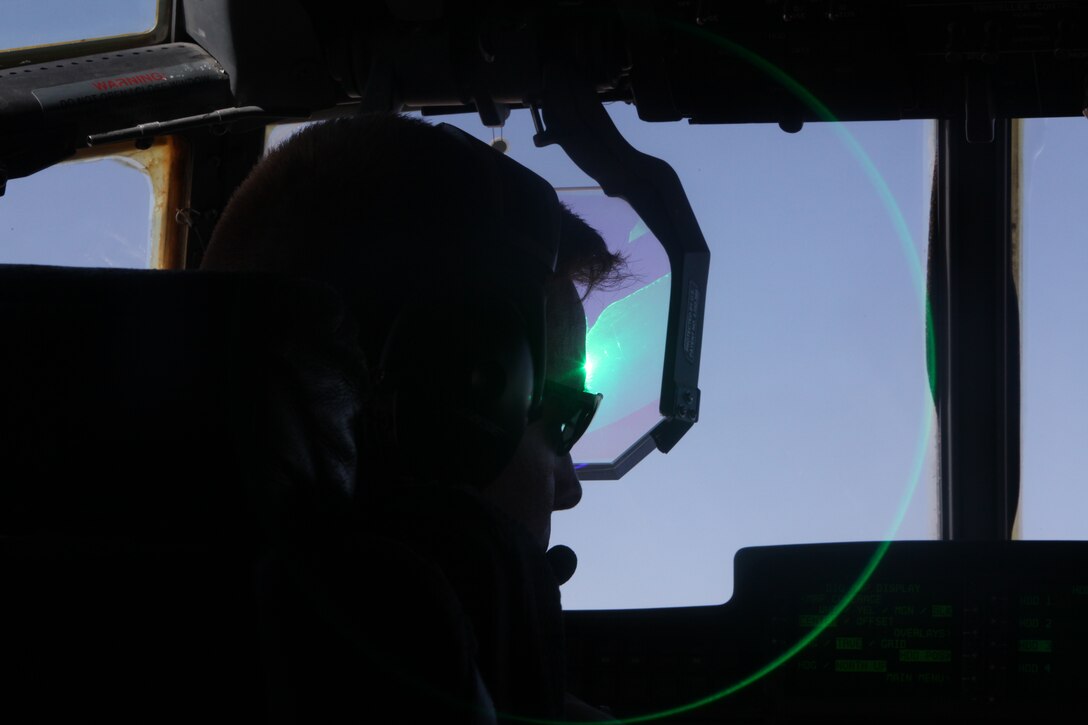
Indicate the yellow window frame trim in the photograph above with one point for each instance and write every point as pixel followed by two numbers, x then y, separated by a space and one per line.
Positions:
pixel 166 162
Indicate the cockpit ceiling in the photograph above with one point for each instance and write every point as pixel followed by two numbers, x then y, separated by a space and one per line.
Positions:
pixel 730 61
pixel 725 61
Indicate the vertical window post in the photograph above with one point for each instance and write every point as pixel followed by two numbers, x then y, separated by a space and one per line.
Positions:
pixel 974 288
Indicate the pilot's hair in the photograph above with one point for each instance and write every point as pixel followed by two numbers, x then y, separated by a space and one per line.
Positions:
pixel 372 204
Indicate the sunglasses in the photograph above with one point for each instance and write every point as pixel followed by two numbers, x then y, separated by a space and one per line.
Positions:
pixel 571 410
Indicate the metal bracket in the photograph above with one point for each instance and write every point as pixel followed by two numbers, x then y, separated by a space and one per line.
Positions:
pixel 978 104
pixel 574 119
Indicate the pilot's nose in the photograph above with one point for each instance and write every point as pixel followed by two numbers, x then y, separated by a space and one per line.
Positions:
pixel 568 489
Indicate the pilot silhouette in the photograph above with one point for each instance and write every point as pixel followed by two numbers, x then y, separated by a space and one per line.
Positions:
pixel 462 270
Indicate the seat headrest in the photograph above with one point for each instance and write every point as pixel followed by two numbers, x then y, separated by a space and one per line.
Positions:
pixel 148 402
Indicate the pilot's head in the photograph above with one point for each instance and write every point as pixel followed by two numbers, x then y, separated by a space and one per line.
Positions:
pixel 392 212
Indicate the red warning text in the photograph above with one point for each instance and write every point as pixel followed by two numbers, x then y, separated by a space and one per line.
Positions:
pixel 128 81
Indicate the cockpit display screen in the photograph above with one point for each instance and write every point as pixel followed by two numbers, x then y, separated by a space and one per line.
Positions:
pixel 937 622
pixel 859 632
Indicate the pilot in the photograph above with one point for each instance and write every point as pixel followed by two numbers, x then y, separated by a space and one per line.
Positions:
pixel 441 246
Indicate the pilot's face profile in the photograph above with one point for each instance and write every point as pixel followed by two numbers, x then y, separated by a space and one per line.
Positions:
pixel 540 479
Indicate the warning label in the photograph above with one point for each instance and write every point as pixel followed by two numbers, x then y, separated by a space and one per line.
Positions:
pixel 141 79
pixel 79 93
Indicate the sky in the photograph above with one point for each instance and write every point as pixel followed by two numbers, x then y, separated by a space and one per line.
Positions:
pixel 815 421
pixel 36 22
pixel 1054 415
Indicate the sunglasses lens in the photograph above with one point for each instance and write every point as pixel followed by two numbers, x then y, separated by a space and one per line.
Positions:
pixel 579 411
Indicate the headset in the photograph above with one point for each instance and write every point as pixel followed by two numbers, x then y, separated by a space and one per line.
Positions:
pixel 462 369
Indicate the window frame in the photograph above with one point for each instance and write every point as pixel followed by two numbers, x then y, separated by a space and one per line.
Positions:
pixel 974 293
pixel 166 162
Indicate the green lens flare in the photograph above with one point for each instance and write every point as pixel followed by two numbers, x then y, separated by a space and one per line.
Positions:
pixel 627 338
pixel 608 353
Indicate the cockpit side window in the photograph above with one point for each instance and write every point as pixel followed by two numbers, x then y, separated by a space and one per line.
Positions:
pixel 34 28
pixel 115 207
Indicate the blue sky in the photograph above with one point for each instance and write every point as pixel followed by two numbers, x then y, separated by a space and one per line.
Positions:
pixel 1054 424
pixel 35 22
pixel 815 418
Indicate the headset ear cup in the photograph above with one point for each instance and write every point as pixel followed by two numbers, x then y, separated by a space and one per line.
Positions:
pixel 456 384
